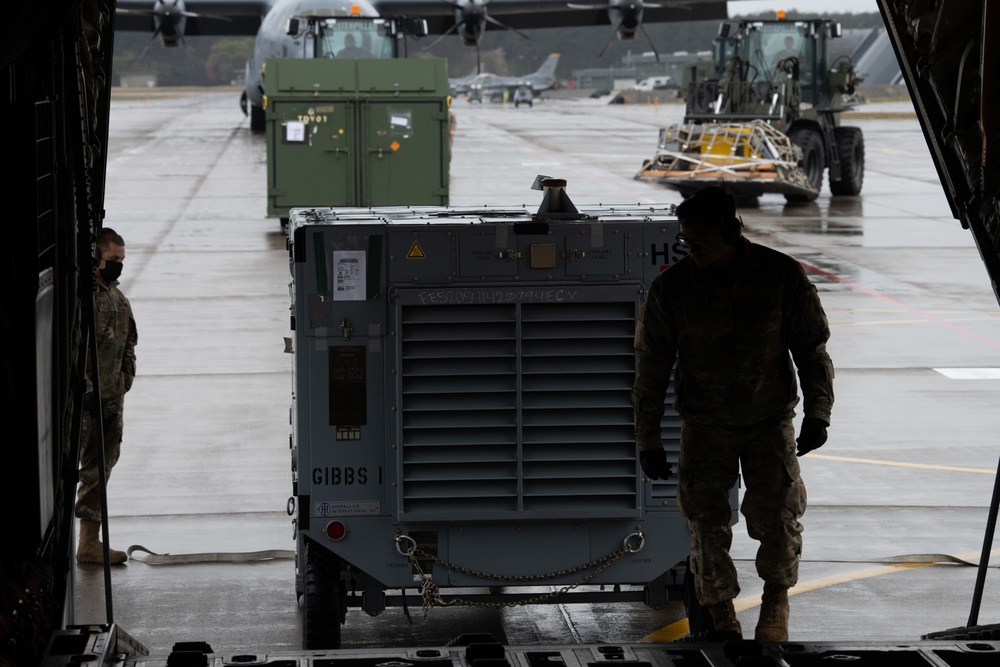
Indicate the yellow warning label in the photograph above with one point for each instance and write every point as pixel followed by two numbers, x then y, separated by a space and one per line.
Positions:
pixel 416 252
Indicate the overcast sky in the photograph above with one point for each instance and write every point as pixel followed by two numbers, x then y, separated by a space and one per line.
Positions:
pixel 812 6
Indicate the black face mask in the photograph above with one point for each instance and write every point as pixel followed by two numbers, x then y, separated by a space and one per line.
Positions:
pixel 111 270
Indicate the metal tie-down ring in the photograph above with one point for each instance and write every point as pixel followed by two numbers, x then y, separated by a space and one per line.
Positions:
pixel 399 539
pixel 628 547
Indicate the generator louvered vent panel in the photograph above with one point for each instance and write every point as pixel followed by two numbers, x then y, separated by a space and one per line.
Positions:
pixel 518 410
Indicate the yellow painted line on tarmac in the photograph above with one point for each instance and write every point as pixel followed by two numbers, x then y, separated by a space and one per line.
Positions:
pixel 680 628
pixel 669 633
pixel 920 321
pixel 900 464
pixel 930 316
pixel 933 311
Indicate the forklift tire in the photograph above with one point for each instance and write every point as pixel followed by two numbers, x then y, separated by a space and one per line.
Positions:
pixel 851 150
pixel 813 161
pixel 323 604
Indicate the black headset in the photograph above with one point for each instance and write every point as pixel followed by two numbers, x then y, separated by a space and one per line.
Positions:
pixel 732 225
pixel 732 228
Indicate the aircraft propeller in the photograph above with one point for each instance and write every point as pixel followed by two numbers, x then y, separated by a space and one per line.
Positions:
pixel 170 17
pixel 471 17
pixel 626 17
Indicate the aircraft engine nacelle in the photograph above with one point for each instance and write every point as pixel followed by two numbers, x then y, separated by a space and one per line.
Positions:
pixel 170 19
pixel 471 16
pixel 626 16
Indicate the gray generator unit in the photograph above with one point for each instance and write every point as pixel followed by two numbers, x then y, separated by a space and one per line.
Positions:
pixel 461 415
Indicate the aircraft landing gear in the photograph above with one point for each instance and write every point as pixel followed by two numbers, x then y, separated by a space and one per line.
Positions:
pixel 257 119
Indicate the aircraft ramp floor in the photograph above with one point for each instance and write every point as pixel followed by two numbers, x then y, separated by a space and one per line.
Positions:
pixel 908 470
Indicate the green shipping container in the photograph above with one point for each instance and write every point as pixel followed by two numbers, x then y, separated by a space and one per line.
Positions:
pixel 356 133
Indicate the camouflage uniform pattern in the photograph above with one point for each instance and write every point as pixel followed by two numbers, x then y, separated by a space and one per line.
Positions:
pixel 116 340
pixel 774 499
pixel 736 391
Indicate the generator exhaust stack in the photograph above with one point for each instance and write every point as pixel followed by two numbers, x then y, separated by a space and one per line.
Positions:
pixel 556 204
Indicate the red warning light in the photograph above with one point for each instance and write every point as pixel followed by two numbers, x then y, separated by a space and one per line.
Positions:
pixel 336 531
pixel 780 14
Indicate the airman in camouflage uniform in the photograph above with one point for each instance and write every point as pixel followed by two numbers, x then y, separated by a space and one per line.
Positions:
pixel 116 340
pixel 734 315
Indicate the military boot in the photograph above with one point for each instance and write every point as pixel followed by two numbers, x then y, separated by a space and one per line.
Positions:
pixel 773 623
pixel 724 617
pixel 90 549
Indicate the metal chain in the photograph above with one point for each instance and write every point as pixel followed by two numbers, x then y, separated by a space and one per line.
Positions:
pixel 431 593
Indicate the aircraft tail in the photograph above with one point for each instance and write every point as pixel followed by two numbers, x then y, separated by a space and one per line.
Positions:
pixel 548 68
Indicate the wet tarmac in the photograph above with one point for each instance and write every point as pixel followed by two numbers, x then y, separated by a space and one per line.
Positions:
pixel 909 468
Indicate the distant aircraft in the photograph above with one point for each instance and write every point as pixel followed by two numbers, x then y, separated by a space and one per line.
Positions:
pixel 269 20
pixel 460 85
pixel 487 84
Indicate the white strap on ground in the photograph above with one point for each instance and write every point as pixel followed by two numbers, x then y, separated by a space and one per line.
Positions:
pixel 154 558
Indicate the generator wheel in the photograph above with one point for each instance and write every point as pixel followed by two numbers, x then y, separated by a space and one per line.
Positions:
pixel 323 603
pixel 813 160
pixel 851 150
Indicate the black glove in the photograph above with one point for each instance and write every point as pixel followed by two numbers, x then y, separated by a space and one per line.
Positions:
pixel 812 435
pixel 654 463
